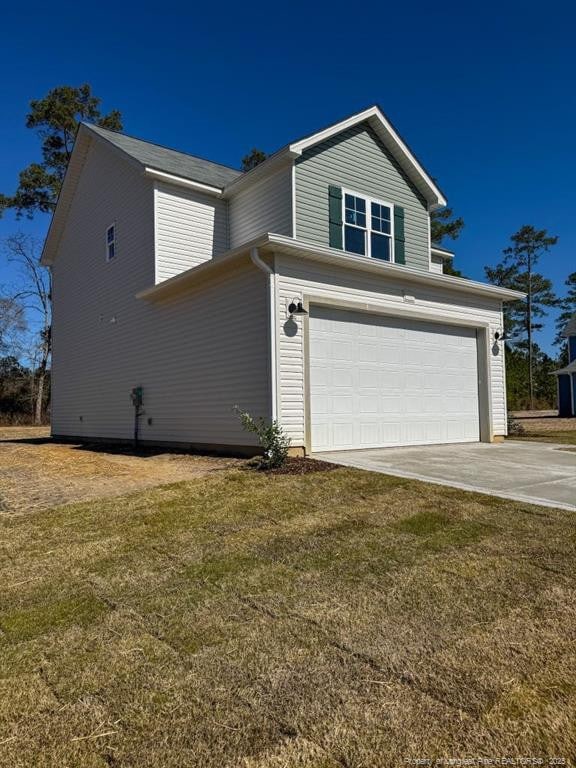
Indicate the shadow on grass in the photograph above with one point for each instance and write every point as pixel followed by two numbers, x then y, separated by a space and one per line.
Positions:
pixel 123 449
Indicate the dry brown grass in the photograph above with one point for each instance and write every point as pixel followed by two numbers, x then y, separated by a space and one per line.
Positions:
pixel 327 620
pixel 546 427
pixel 37 473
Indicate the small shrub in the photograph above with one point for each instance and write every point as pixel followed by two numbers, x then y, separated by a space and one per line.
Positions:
pixel 271 436
pixel 515 427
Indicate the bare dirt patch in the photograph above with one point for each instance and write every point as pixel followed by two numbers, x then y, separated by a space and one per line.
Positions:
pixel 37 473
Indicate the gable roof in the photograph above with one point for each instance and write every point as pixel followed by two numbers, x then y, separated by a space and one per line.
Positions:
pixel 385 131
pixel 168 160
pixel 570 329
pixel 159 161
pixel 148 157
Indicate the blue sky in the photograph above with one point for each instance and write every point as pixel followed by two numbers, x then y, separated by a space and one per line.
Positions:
pixel 485 97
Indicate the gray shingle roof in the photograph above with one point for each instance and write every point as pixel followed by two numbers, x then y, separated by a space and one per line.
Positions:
pixel 170 160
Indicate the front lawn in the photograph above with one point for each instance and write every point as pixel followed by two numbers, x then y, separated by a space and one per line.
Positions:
pixel 332 619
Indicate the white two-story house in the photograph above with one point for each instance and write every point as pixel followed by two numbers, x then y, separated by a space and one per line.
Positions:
pixel 306 290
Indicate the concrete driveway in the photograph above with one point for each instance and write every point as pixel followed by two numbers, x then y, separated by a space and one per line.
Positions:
pixel 538 473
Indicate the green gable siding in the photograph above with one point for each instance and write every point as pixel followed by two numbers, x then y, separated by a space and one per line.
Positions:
pixel 355 159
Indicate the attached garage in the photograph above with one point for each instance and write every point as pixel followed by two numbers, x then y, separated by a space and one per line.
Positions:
pixel 379 380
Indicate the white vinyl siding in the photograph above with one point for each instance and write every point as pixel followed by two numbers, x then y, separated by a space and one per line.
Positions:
pixel 356 160
pixel 266 206
pixel 437 264
pixel 191 227
pixel 296 278
pixel 195 358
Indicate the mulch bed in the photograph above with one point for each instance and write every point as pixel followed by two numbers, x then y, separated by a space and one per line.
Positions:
pixel 301 466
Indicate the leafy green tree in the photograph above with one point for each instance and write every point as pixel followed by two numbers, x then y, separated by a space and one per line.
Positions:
pixel 55 118
pixel 568 307
pixel 516 271
pixel 517 392
pixel 253 158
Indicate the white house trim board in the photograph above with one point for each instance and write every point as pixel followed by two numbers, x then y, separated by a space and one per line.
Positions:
pixel 179 181
pixel 272 243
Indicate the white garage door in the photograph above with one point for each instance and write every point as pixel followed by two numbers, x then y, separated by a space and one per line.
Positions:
pixel 382 381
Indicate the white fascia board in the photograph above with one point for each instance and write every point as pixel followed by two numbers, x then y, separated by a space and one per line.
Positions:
pixel 270 243
pixel 182 182
pixel 570 368
pixel 397 271
pixel 375 114
pixel 66 194
pixel 441 252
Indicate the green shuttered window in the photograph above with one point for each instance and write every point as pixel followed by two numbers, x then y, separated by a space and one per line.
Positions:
pixel 366 227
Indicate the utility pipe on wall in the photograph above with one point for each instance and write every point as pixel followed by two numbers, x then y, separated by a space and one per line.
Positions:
pixel 257 261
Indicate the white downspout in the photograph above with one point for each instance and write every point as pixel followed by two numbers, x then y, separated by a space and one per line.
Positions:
pixel 257 261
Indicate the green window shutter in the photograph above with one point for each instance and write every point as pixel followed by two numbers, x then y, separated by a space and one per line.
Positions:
pixel 335 216
pixel 399 249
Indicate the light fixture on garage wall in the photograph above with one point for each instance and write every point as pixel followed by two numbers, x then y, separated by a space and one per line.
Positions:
pixel 500 336
pixel 295 308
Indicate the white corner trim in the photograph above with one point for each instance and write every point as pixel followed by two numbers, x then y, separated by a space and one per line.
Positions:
pixel 155 204
pixel 293 181
pixel 181 182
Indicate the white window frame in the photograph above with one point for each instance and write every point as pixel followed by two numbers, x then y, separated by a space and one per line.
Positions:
pixel 368 230
pixel 112 242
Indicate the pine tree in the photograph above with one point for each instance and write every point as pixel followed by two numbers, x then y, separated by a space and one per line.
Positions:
pixel 55 118
pixel 516 271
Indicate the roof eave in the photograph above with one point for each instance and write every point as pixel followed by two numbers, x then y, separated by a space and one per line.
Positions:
pixel 442 252
pixel 272 243
pixel 181 181
pixel 78 156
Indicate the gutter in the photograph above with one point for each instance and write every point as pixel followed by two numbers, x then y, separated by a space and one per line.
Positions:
pixel 270 273
pixel 271 243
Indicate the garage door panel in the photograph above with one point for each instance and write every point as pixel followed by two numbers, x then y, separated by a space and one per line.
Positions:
pixel 377 381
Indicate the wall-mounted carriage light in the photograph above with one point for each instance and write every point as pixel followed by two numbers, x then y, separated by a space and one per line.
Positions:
pixel 295 308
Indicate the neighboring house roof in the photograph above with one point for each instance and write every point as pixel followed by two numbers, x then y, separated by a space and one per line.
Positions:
pixel 570 368
pixel 570 329
pixel 169 160
pixel 272 243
